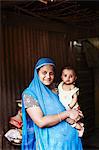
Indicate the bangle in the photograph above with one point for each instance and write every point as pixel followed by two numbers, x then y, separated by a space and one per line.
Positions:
pixel 59 117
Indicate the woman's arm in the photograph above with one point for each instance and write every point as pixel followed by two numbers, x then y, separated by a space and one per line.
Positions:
pixel 34 111
pixel 36 115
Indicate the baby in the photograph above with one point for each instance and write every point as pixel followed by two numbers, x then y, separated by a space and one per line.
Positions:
pixel 68 94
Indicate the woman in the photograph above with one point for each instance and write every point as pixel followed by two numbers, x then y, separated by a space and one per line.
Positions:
pixel 44 125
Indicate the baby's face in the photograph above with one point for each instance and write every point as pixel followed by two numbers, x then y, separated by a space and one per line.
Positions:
pixel 68 76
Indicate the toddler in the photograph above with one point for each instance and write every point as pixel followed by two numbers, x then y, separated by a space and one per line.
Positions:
pixel 68 94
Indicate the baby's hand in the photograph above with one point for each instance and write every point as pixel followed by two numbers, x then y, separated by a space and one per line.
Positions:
pixel 80 113
pixel 70 121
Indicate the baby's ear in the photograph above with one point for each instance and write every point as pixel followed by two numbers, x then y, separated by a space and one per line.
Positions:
pixel 75 78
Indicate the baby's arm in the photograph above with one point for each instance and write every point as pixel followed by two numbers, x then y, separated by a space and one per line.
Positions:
pixel 74 101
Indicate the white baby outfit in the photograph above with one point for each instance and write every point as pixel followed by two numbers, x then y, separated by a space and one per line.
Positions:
pixel 66 96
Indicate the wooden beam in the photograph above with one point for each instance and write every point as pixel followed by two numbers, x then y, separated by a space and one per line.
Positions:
pixel 43 1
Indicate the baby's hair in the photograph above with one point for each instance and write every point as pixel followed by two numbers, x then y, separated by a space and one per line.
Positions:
pixel 69 68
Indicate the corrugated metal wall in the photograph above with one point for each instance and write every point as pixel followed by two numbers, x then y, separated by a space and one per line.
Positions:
pixel 21 47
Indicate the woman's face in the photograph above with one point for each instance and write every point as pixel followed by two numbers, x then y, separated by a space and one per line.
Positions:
pixel 46 74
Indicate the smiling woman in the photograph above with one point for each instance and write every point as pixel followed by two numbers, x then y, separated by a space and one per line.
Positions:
pixel 44 125
pixel 46 74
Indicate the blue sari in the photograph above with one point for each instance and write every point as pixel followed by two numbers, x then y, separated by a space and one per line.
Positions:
pixel 58 137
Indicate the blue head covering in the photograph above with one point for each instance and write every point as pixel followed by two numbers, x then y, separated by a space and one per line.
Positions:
pixel 44 61
pixel 49 104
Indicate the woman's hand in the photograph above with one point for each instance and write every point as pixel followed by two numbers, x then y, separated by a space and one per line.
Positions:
pixel 73 114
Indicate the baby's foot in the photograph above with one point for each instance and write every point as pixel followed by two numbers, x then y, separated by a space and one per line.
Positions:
pixel 82 124
pixel 80 132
